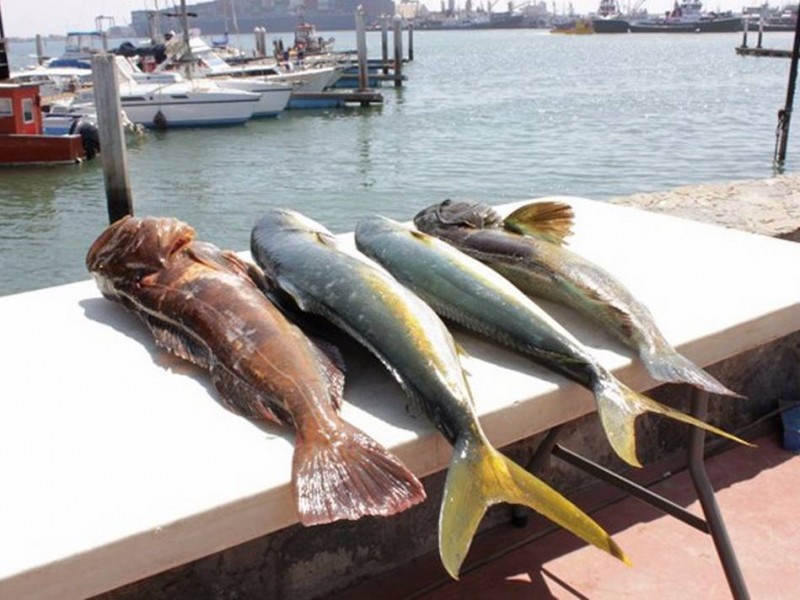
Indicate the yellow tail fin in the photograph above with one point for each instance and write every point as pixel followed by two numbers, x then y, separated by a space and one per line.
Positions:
pixel 619 406
pixel 479 476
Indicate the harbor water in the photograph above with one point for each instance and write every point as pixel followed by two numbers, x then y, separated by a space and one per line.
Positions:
pixel 495 116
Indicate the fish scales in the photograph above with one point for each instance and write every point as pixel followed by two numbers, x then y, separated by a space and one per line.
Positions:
pixel 208 306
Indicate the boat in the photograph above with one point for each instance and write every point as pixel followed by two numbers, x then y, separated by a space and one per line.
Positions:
pixel 274 96
pixel 577 26
pixel 79 48
pixel 766 18
pixel 609 18
pixel 22 139
pixel 689 17
pixel 187 103
pixel 209 64
pixel 307 41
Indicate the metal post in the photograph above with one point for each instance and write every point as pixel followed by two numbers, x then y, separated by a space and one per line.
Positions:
pixel 398 51
pixel 705 493
pixel 410 42
pixel 112 138
pixel 361 46
pixel 785 115
pixel 104 39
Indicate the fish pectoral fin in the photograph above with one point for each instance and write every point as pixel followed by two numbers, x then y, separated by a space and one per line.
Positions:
pixel 478 477
pixel 288 287
pixel 345 474
pixel 551 221
pixel 175 340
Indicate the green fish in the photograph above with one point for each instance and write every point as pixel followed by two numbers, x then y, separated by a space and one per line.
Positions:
pixel 466 291
pixel 304 260
pixel 527 248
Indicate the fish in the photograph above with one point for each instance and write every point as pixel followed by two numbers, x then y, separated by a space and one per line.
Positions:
pixel 463 290
pixel 209 307
pixel 304 260
pixel 527 247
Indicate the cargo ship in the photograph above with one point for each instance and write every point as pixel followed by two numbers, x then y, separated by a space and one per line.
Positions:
pixel 243 16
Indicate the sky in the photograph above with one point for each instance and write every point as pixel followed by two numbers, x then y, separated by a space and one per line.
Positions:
pixel 26 18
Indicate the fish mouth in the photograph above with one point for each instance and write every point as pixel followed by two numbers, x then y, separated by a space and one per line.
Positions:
pixel 133 247
pixel 458 214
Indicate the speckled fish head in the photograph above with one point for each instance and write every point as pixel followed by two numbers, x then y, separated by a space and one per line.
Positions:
pixel 457 214
pixel 133 248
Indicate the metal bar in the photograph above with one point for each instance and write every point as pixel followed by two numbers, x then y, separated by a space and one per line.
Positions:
pixel 705 493
pixel 634 489
pixel 785 115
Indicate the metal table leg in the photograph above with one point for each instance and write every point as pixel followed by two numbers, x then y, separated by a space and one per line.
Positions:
pixel 705 493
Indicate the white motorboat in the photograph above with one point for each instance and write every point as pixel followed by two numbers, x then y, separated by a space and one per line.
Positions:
pixel 274 95
pixel 209 64
pixel 190 103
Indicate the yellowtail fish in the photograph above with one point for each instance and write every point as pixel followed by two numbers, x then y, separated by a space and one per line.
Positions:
pixel 466 291
pixel 527 248
pixel 303 259
pixel 207 306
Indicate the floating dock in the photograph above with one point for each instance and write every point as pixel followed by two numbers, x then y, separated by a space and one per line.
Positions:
pixel 745 51
pixel 334 99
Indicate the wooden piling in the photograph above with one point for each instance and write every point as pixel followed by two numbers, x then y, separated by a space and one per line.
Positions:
pixel 112 138
pixel 39 49
pixel 361 47
pixel 261 41
pixel 410 42
pixel 760 31
pixel 385 44
pixel 398 51
pixel 744 34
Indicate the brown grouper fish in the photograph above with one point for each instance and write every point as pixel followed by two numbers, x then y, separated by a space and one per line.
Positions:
pixel 527 248
pixel 208 306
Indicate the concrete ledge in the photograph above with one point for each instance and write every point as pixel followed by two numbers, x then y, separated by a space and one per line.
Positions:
pixel 125 469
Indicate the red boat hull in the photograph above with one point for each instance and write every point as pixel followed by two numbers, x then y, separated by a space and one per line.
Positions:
pixel 22 149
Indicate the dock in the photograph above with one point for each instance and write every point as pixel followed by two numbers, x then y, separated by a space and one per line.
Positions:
pixel 745 51
pixel 334 99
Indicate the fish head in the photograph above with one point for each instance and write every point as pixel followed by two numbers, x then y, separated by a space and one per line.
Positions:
pixel 376 225
pixel 283 220
pixel 132 248
pixel 451 214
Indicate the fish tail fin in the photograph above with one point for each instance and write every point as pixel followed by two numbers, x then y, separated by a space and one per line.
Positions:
pixel 345 474
pixel 480 476
pixel 666 364
pixel 619 406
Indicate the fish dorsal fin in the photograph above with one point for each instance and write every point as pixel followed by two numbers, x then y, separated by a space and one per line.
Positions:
pixel 550 221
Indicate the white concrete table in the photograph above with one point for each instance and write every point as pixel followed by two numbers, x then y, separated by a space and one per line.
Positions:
pixel 117 461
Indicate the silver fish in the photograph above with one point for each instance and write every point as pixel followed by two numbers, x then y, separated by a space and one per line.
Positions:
pixel 468 292
pixel 304 260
